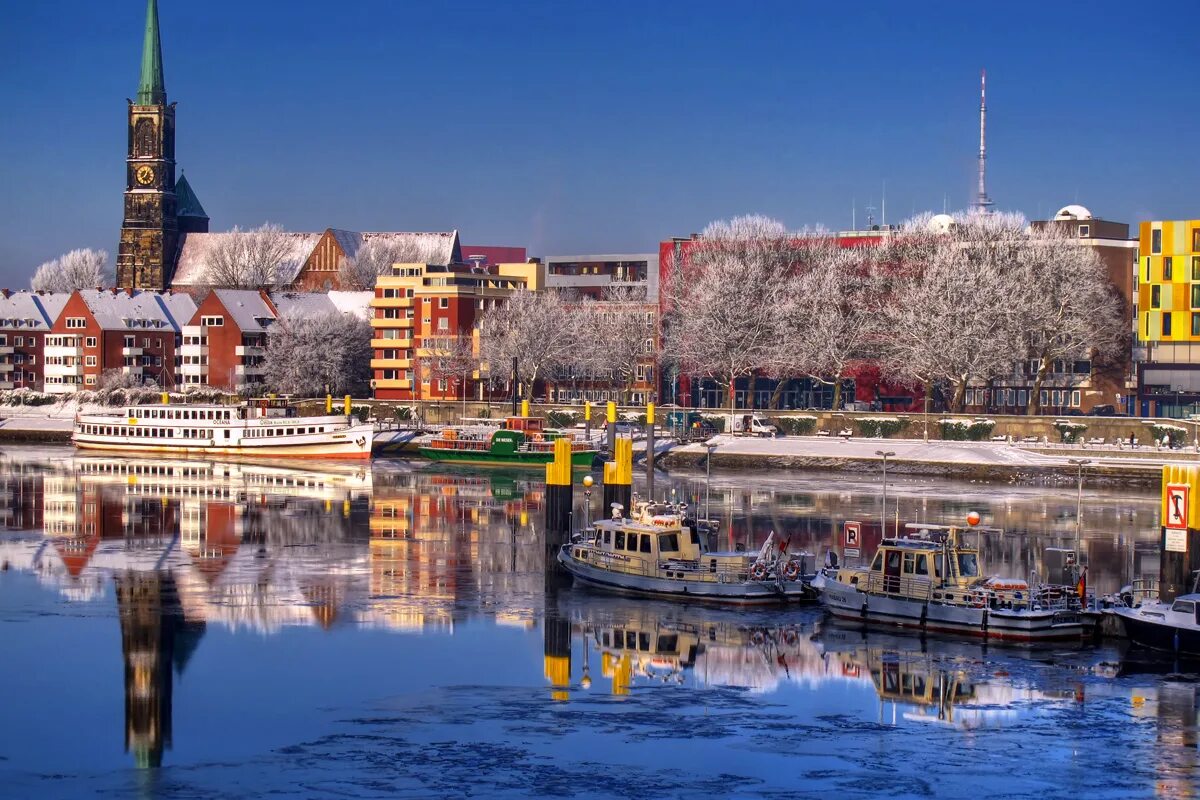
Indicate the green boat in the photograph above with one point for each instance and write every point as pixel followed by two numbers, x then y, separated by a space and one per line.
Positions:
pixel 519 442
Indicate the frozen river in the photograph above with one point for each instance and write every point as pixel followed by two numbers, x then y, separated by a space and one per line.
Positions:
pixel 199 629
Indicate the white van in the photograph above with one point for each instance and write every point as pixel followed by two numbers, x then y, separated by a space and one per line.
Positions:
pixel 754 425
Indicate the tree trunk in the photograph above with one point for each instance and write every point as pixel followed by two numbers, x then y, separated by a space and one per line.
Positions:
pixel 778 393
pixel 960 396
pixel 732 401
pixel 837 395
pixel 1034 406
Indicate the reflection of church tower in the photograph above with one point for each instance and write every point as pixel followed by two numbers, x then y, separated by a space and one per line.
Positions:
pixel 153 203
pixel 154 638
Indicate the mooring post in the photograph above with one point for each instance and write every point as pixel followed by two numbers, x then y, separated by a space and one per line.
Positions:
pixel 612 426
pixel 1180 531
pixel 618 477
pixel 558 496
pixel 650 452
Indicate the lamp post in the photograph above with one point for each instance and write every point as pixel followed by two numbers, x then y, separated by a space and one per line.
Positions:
pixel 708 478
pixel 884 454
pixel 588 481
pixel 1079 464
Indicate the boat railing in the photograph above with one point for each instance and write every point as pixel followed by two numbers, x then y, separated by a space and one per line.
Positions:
pixel 900 586
pixel 630 564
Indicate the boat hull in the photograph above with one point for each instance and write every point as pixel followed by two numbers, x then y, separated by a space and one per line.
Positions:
pixel 352 443
pixel 846 602
pixel 747 592
pixel 1159 635
pixel 582 459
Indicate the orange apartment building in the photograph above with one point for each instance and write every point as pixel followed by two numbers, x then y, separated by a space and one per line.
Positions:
pixel 420 302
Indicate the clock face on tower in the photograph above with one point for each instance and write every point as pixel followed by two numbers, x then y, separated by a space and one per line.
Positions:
pixel 145 175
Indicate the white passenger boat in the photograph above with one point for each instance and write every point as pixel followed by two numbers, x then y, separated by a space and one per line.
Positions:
pixel 930 579
pixel 660 551
pixel 262 429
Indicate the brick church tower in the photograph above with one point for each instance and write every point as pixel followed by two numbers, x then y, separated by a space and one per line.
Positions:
pixel 150 231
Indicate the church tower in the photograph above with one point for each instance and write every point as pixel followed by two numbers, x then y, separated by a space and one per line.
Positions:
pixel 150 231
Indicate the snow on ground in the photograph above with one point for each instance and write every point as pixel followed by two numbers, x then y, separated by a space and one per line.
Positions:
pixel 987 453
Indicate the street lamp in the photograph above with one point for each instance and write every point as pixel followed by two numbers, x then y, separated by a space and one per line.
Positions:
pixel 588 481
pixel 1079 464
pixel 709 446
pixel 884 454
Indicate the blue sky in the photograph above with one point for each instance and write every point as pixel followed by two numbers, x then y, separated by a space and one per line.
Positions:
pixel 573 127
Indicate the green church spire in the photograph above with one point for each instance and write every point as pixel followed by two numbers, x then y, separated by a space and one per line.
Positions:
pixel 151 90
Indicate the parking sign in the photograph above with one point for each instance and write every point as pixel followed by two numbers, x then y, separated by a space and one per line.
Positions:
pixel 851 538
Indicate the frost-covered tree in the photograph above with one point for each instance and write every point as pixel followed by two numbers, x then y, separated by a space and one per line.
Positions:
pixel 379 253
pixel 448 358
pixel 532 327
pixel 722 320
pixel 1068 308
pixel 251 259
pixel 614 336
pixel 79 269
pixel 309 355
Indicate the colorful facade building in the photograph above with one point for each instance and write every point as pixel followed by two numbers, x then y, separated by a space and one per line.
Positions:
pixel 134 332
pixel 25 319
pixel 1167 339
pixel 420 305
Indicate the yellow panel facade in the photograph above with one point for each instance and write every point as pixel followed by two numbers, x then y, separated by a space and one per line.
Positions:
pixel 1168 294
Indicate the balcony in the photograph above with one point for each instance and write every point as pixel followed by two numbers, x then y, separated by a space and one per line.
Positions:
pixel 391 344
pixel 5 367
pixel 249 369
pixel 193 369
pixel 392 322
pixel 6 350
pixel 391 363
pixel 63 352
pixel 244 350
pixel 131 351
pixel 193 330
pixel 193 350
pixel 64 369
pixel 134 369
pixel 381 383
pixel 391 302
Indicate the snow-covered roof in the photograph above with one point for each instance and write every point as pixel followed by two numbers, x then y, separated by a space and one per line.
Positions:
pixel 193 255
pixel 302 304
pixel 1073 212
pixel 121 310
pixel 353 302
pixel 430 248
pixel 247 308
pixel 31 311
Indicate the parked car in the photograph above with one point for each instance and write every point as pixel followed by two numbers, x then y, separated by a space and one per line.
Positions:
pixel 1103 411
pixel 753 424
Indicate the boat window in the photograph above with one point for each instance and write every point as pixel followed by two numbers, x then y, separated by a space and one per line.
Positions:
pixel 922 564
pixel 631 542
pixel 893 561
pixel 620 543
pixel 606 639
pixel 877 564
pixel 646 543
pixel 607 538
pixel 668 543
pixel 1184 606
pixel 968 565
pixel 937 565
pixel 644 642
pixel 668 643
pixel 630 640
pixel 909 561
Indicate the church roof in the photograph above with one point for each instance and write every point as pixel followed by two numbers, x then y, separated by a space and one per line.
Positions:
pixel 151 89
pixel 187 204
pixel 193 255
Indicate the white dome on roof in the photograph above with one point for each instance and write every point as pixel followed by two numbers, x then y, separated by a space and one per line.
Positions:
pixel 1073 212
pixel 941 223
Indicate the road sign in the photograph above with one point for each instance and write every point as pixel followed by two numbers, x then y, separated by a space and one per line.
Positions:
pixel 851 538
pixel 1177 507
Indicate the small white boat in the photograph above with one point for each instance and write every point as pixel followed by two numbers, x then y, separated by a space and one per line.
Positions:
pixel 262 429
pixel 930 579
pixel 661 552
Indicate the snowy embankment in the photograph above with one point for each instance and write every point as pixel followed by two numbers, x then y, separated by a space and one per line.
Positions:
pixel 982 460
pixel 52 418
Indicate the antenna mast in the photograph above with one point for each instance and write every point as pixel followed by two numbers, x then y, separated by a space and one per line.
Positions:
pixel 982 201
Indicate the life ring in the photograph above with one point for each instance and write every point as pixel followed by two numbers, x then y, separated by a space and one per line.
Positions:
pixel 757 638
pixel 758 572
pixel 791 570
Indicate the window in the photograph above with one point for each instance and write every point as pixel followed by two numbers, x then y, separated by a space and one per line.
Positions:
pixel 1196 267
pixel 90 341
pixel 212 322
pixel 1156 241
pixel 922 565
pixel 619 544
pixel 443 302
pixel 1196 295
pixel 1196 240
pixel 668 543
pixel 1168 268
pixel 1075 398
pixel 646 544
pixel 1155 296
pixel 607 538
pixel 90 380
pixel 1147 279
pixel 631 542
pixel 89 361
pixel 1084 231
pixel 1195 324
pixel 76 322
pixel 968 565
pixel 1166 323
pixel 443 324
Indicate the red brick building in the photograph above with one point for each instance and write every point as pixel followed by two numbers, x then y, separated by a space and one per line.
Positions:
pixel 134 332
pixel 25 319
pixel 225 340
